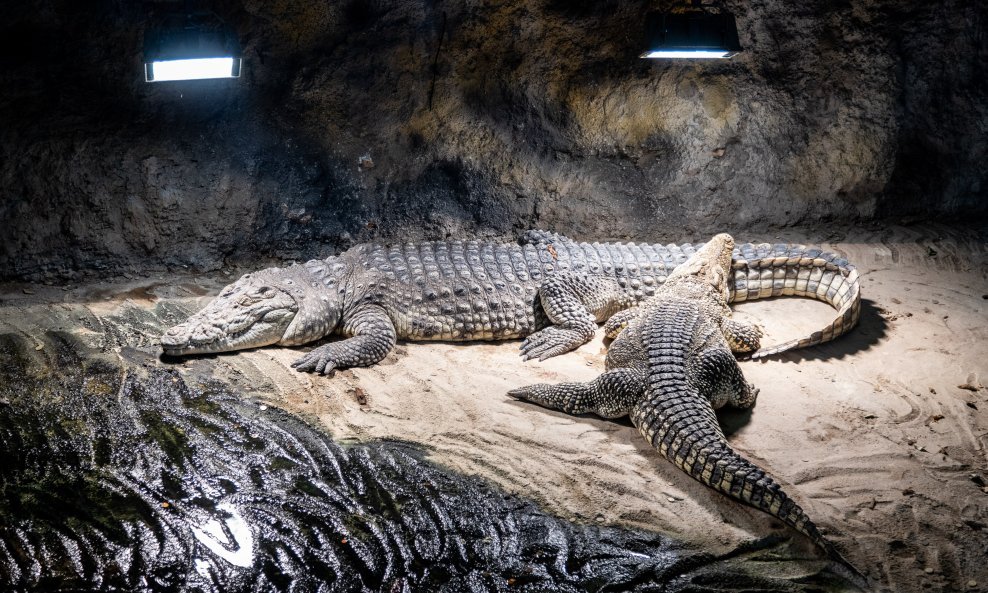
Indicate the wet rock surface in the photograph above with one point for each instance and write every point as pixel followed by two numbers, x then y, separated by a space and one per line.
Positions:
pixel 122 473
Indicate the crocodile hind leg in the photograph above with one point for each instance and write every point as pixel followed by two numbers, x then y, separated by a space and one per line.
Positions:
pixel 611 395
pixel 741 337
pixel 373 336
pixel 574 303
pixel 715 373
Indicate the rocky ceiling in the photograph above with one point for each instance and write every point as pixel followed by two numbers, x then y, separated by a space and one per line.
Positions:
pixel 374 119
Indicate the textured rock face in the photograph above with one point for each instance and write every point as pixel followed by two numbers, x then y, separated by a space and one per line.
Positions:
pixel 372 119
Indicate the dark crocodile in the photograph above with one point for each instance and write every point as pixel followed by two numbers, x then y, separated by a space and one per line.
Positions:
pixel 669 368
pixel 547 286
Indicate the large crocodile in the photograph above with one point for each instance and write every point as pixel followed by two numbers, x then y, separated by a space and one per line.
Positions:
pixel 548 287
pixel 670 367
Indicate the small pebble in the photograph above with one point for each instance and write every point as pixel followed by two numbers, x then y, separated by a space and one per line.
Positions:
pixel 972 583
pixel 928 570
pixel 263 407
pixel 670 499
pixel 39 347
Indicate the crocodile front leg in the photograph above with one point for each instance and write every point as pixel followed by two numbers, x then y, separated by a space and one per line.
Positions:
pixel 574 303
pixel 372 337
pixel 611 395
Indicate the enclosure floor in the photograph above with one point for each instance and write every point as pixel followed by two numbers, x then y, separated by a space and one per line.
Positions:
pixel 882 436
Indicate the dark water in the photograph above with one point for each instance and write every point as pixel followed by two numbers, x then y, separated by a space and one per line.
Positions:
pixel 118 475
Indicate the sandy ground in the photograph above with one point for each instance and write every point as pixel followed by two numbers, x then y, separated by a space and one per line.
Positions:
pixel 882 436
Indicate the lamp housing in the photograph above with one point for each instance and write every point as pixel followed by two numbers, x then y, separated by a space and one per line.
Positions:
pixel 693 34
pixel 191 46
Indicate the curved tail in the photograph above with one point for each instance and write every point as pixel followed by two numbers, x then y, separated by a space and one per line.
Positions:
pixel 763 271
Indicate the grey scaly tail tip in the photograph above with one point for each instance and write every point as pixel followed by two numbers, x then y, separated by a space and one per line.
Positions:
pixel 843 567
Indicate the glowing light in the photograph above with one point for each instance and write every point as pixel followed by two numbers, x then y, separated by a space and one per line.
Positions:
pixel 196 69
pixel 692 35
pixel 689 53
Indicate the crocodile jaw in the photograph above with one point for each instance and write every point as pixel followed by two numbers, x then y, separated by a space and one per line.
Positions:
pixel 233 321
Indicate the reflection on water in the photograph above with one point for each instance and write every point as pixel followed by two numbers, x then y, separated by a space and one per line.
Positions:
pixel 118 475
pixel 229 538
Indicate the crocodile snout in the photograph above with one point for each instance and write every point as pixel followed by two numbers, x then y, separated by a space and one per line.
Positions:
pixel 174 338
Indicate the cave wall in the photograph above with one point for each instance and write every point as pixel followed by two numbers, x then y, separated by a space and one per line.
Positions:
pixel 374 119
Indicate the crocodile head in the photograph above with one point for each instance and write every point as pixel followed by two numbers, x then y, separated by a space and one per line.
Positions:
pixel 711 263
pixel 285 306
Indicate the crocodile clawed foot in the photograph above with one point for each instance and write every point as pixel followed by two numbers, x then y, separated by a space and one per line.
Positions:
pixel 549 342
pixel 747 398
pixel 313 362
pixel 519 393
pixel 532 393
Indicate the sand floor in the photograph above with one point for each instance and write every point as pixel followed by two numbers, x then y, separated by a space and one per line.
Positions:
pixel 882 435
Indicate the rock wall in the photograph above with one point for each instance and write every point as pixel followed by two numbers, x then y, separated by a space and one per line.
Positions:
pixel 374 119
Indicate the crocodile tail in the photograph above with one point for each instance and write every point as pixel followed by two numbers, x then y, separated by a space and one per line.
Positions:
pixel 683 427
pixel 763 271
